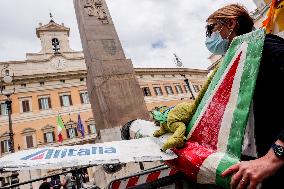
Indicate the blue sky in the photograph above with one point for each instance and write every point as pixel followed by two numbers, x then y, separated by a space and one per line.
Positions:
pixel 150 30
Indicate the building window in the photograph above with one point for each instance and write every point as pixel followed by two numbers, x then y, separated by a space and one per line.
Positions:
pixel 71 129
pixel 196 88
pixel 48 134
pixel 41 83
pixel 44 103
pixel 29 141
pixel 169 90
pixel 65 100
pixel 82 79
pixel 26 105
pixel 91 126
pixel 23 85
pixel 84 98
pixel 62 80
pixel 4 146
pixel 49 137
pixel 178 89
pixel 146 91
pixel 3 109
pixel 71 132
pixel 186 89
pixel 158 91
pixel 29 136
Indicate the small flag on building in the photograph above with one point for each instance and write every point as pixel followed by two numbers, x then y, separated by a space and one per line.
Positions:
pixel 60 127
pixel 80 126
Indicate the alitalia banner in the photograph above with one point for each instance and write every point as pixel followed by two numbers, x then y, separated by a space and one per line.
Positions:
pixel 216 132
pixel 144 149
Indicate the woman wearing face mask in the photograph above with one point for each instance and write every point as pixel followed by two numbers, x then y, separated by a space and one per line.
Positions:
pixel 266 166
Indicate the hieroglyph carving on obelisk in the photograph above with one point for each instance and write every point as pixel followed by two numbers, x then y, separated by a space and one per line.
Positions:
pixel 95 8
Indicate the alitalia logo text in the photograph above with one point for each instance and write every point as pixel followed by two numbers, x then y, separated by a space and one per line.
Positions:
pixel 70 152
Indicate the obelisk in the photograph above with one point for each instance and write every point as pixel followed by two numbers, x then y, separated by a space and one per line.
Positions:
pixel 114 92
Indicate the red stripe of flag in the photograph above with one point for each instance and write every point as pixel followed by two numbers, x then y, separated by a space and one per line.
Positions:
pixel 60 138
pixel 190 158
pixel 207 131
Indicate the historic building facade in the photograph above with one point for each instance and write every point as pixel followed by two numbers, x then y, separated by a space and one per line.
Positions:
pixel 53 81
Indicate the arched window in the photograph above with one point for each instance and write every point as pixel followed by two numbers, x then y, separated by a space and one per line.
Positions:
pixel 55 46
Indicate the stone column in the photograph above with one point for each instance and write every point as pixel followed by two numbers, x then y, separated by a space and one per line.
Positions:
pixel 114 92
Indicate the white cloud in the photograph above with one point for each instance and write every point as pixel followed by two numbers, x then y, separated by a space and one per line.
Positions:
pixel 172 26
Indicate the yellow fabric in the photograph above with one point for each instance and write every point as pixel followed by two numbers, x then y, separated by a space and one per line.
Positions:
pixel 179 117
pixel 274 23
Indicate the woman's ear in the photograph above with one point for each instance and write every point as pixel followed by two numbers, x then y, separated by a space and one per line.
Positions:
pixel 232 24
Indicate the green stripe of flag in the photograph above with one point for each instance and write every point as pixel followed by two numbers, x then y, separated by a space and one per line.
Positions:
pixel 60 122
pixel 246 90
pixel 255 42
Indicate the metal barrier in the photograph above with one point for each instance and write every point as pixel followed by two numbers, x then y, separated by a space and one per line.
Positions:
pixel 150 178
pixel 41 178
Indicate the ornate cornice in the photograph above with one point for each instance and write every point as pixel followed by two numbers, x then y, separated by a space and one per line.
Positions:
pixel 50 76
pixel 28 130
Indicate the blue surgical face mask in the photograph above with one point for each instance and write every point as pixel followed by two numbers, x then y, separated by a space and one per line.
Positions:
pixel 216 44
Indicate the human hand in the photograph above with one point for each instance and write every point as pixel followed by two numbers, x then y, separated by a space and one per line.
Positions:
pixel 249 174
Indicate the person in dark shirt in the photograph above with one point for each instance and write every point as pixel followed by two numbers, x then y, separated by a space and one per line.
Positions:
pixel 45 185
pixel 268 168
pixel 55 182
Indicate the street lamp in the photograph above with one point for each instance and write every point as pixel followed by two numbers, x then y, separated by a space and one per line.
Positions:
pixel 179 63
pixel 188 85
pixel 8 79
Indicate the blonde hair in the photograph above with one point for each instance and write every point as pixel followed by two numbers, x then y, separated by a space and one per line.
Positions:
pixel 233 11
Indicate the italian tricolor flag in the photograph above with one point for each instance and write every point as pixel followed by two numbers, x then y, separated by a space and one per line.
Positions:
pixel 216 132
pixel 60 127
